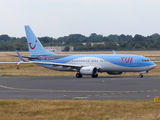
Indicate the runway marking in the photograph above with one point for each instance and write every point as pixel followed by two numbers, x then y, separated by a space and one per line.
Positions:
pixel 80 97
pixel 155 90
pixel 126 92
pixel 134 91
pixel 148 90
pixel 23 89
pixel 106 92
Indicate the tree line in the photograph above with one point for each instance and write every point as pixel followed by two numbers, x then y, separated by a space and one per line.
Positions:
pixel 92 42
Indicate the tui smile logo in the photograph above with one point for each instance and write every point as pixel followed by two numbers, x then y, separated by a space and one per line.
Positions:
pixel 32 47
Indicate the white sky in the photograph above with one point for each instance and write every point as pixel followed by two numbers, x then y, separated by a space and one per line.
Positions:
pixel 58 18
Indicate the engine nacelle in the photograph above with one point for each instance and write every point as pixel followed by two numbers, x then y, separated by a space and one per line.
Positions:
pixel 90 70
pixel 114 73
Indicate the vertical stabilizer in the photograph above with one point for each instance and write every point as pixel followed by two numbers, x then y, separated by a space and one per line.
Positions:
pixel 34 45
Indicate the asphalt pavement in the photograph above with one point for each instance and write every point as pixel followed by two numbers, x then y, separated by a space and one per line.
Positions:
pixel 101 88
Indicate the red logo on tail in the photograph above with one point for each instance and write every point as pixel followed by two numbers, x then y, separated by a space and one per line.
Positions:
pixel 30 45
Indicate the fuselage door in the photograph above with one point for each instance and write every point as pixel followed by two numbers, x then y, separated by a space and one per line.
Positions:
pixel 134 61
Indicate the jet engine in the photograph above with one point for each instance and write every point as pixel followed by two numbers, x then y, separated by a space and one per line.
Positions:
pixel 114 73
pixel 90 70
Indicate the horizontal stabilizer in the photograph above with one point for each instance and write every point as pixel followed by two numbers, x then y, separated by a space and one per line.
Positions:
pixel 20 57
pixel 32 57
pixel 113 52
pixel 13 62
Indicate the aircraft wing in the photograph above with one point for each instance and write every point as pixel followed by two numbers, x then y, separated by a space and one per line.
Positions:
pixel 8 62
pixel 57 64
pixel 61 64
pixel 22 56
pixel 50 63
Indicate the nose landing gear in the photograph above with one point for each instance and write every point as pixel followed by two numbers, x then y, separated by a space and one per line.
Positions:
pixel 140 76
pixel 142 72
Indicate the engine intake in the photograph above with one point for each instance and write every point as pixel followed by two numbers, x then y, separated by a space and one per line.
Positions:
pixel 90 70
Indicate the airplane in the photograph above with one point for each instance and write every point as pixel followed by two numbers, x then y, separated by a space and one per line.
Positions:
pixel 83 64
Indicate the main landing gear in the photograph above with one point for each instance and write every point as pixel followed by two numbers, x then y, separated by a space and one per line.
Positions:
pixel 94 76
pixel 79 75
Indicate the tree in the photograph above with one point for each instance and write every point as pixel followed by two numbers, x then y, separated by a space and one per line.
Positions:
pixel 137 46
pixel 10 48
pixel 5 37
pixel 67 48
pixel 46 39
pixel 138 38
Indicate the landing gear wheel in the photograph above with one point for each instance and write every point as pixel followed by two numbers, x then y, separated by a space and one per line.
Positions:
pixel 94 76
pixel 141 76
pixel 79 75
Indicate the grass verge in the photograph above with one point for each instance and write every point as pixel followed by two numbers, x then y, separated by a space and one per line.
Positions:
pixel 79 110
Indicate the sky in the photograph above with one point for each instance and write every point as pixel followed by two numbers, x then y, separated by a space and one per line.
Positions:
pixel 58 18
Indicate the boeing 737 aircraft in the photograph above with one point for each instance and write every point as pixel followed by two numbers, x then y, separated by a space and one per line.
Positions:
pixel 113 64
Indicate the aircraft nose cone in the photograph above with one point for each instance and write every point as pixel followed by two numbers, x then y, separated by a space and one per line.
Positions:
pixel 154 65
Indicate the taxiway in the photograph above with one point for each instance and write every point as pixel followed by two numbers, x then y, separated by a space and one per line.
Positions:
pixel 102 88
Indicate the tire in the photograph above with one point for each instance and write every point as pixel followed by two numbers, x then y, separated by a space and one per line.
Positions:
pixel 141 76
pixel 78 75
pixel 94 76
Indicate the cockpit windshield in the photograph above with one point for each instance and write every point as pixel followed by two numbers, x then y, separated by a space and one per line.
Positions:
pixel 147 60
